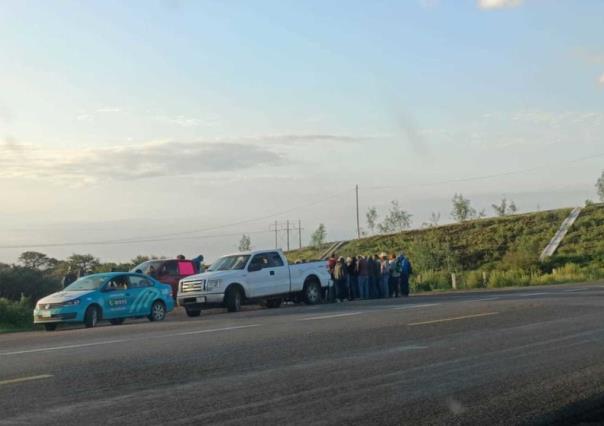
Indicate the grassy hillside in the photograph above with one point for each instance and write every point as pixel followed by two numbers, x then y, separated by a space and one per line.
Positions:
pixel 506 245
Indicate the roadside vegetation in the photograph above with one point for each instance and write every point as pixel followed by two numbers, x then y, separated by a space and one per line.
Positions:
pixel 491 252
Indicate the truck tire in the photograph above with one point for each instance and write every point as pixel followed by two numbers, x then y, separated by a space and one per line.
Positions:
pixel 192 312
pixel 312 292
pixel 273 303
pixel 232 299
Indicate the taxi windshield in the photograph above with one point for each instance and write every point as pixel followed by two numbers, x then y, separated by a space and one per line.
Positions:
pixel 92 282
pixel 229 263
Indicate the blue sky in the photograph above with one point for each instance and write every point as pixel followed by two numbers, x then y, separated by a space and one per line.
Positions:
pixel 128 119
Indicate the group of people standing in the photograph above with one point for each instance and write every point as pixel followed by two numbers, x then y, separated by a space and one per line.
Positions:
pixel 369 277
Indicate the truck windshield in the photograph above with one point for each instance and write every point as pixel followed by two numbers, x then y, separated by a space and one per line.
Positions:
pixel 229 263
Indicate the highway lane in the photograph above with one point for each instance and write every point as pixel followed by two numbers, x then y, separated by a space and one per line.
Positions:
pixel 530 355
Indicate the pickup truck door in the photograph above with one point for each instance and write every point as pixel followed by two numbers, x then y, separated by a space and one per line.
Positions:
pixel 267 275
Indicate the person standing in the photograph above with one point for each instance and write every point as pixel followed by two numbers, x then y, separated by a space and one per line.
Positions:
pixel 406 271
pixel 339 277
pixel 69 277
pixel 377 275
pixel 198 263
pixel 395 276
pixel 363 277
pixel 384 275
pixel 331 264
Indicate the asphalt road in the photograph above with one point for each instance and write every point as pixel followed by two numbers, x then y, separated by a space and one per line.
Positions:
pixel 526 356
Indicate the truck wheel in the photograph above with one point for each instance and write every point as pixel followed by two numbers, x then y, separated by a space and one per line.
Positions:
pixel 192 312
pixel 273 303
pixel 50 327
pixel 116 321
pixel 232 300
pixel 312 293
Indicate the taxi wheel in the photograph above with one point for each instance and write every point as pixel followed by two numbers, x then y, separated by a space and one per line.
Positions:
pixel 116 321
pixel 50 327
pixel 158 311
pixel 91 317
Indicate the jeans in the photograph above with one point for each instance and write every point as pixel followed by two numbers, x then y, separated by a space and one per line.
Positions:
pixel 354 287
pixel 363 287
pixel 395 289
pixel 405 285
pixel 340 289
pixel 384 288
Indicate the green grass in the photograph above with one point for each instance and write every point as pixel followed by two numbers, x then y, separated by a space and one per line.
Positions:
pixel 15 316
pixel 506 249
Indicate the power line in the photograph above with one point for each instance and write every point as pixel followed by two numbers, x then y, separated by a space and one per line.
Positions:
pixel 177 235
pixel 490 176
pixel 122 242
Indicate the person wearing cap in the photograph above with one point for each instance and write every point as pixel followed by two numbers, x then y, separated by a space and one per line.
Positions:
pixel 339 277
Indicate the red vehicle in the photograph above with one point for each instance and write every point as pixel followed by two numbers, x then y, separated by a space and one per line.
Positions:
pixel 167 271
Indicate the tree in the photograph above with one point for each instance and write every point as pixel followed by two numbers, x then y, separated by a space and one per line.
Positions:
pixel 371 216
pixel 600 187
pixel 462 209
pixel 318 237
pixel 245 243
pixel 433 221
pixel 35 260
pixel 396 220
pixel 503 208
pixel 83 262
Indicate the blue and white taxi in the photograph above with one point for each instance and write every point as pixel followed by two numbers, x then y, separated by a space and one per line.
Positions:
pixel 111 296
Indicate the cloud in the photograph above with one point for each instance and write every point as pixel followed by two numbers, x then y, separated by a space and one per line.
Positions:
pixel 159 159
pixel 601 80
pixel 109 109
pixel 184 121
pixel 497 4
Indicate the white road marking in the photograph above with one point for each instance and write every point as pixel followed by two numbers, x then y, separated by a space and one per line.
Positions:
pixel 58 348
pixel 529 294
pixel 576 289
pixel 213 330
pixel 109 342
pixel 424 305
pixel 453 318
pixel 484 299
pixel 348 314
pixel 25 379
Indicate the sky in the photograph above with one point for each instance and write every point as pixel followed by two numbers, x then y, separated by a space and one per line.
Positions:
pixel 163 127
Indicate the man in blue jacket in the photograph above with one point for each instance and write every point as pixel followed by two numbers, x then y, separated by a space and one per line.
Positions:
pixel 406 271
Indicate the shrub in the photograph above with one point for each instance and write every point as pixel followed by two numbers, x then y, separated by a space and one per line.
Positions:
pixel 473 279
pixel 34 284
pixel 15 315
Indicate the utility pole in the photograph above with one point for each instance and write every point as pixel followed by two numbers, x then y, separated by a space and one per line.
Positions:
pixel 276 233
pixel 287 229
pixel 358 221
pixel 299 233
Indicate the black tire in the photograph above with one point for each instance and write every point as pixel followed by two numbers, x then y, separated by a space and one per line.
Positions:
pixel 192 312
pixel 92 316
pixel 233 299
pixel 117 321
pixel 158 311
pixel 50 327
pixel 312 293
pixel 273 303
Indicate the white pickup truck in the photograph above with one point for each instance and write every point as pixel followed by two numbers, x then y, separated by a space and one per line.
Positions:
pixel 262 276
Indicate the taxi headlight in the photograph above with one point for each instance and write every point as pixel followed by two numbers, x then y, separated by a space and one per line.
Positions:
pixel 213 284
pixel 73 302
